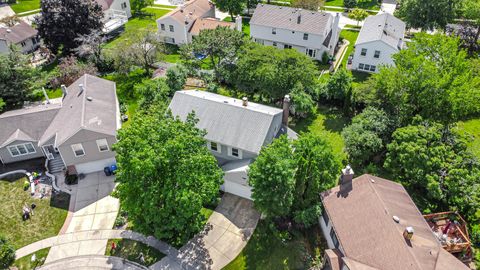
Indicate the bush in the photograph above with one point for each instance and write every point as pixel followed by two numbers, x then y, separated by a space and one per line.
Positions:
pixel 325 58
pixel 7 253
pixel 176 78
pixel 350 3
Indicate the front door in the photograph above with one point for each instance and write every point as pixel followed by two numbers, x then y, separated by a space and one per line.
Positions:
pixel 49 151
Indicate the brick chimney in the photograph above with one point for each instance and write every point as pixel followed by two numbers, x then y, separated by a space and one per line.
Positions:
pixel 286 110
pixel 347 175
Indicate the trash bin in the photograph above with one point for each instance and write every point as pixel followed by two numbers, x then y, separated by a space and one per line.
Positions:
pixel 107 171
pixel 113 168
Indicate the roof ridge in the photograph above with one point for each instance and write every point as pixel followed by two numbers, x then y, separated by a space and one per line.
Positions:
pixel 84 92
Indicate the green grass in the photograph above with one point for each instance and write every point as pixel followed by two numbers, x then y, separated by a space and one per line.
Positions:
pixel 472 129
pixel 172 58
pixel 352 26
pixel 48 218
pixel 365 4
pixel 327 122
pixel 25 263
pixel 54 93
pixel 351 36
pixel 267 251
pixel 25 5
pixel 245 24
pixel 130 250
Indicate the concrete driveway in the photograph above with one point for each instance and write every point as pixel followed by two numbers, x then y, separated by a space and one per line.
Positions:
pixel 227 232
pixel 91 208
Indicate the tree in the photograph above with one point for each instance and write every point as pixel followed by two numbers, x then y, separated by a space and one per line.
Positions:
pixel 251 4
pixel 338 85
pixel 70 69
pixel 2 104
pixel 432 78
pixel 152 92
pixel 138 5
pixel 468 35
pixel 91 47
pixel 308 4
pixel 358 15
pixel 220 45
pixel 61 21
pixel 288 177
pixel 166 175
pixel 350 3
pixel 302 102
pixel 428 14
pixel 366 138
pixel 17 78
pixel 233 7
pixel 176 78
pixel 7 253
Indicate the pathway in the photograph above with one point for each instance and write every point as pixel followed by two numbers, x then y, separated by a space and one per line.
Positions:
pixel 91 208
pixel 93 262
pixel 227 232
pixel 344 20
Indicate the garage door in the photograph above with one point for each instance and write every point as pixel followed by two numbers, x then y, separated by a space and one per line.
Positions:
pixel 94 166
pixel 237 189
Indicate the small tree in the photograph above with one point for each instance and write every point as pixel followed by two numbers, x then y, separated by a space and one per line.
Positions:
pixel 308 4
pixel 7 253
pixel 138 5
pixel 2 104
pixel 70 69
pixel 339 86
pixel 91 47
pixel 350 3
pixel 151 92
pixel 358 15
pixel 176 78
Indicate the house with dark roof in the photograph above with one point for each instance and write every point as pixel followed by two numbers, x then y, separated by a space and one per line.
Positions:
pixel 236 131
pixel 20 34
pixel 372 223
pixel 309 32
pixel 381 36
pixel 180 25
pixel 76 131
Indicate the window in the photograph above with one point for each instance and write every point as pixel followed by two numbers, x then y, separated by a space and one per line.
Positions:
pixel 171 28
pixel 102 145
pixel 235 152
pixel 305 36
pixel 274 44
pixel 373 68
pixel 364 52
pixel 21 149
pixel 162 26
pixel 360 66
pixel 23 44
pixel 310 52
pixel 286 46
pixel 124 5
pixel 215 147
pixel 78 149
pixel 334 238
pixel 377 54
pixel 274 31
pixel 367 67
pixel 325 218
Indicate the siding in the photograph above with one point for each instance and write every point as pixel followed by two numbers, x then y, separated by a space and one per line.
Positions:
pixel 224 157
pixel 7 158
pixel 385 58
pixel 117 5
pixel 88 140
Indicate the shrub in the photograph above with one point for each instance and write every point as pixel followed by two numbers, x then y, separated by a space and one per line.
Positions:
pixel 350 3
pixel 176 78
pixel 325 58
pixel 7 253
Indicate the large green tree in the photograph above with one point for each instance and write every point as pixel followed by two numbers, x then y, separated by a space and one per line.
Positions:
pixel 7 253
pixel 62 21
pixel 165 174
pixel 432 78
pixel 152 92
pixel 288 177
pixel 358 15
pixel 428 14
pixel 138 5
pixel 233 7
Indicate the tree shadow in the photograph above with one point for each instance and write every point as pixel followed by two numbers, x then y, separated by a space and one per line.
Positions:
pixel 60 200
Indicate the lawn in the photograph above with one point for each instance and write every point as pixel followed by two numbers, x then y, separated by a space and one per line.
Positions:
pixel 365 4
pixel 25 263
pixel 48 218
pixel 130 250
pixel 327 122
pixel 472 128
pixel 266 250
pixel 351 36
pixel 245 24
pixel 25 5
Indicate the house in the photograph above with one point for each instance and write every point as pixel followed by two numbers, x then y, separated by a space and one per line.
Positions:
pixel 372 223
pixel 236 131
pixel 77 130
pixel 116 14
pixel 381 36
pixel 181 24
pixel 309 32
pixel 20 34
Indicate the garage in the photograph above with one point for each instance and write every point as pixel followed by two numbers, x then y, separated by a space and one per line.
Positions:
pixel 237 189
pixel 94 166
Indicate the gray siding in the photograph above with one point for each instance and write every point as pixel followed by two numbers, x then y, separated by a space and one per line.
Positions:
pixel 273 130
pixel 88 139
pixel 223 157
pixel 7 158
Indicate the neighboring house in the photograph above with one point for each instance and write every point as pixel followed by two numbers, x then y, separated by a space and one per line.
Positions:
pixel 381 36
pixel 309 32
pixel 78 130
pixel 372 223
pixel 236 131
pixel 20 34
pixel 179 25
pixel 117 13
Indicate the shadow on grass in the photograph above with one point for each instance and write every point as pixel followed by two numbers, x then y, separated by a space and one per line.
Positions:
pixel 60 200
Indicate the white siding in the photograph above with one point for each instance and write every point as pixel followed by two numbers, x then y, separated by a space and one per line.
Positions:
pixel 243 191
pixel 179 34
pixel 385 58
pixel 117 5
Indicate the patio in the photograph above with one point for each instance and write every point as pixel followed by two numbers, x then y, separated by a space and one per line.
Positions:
pixel 37 165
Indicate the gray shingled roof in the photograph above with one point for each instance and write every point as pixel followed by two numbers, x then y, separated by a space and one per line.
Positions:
pixel 286 18
pixel 225 119
pixel 17 33
pixel 384 27
pixel 99 114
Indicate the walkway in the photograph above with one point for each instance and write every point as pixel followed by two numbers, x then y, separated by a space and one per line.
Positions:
pixel 93 262
pixel 91 209
pixel 227 232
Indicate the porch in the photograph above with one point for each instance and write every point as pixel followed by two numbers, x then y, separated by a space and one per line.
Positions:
pixel 114 20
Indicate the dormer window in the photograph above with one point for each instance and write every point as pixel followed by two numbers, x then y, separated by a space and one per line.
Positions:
pixel 274 31
pixel 305 36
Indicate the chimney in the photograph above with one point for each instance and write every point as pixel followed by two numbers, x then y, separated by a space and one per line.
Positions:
pixel 64 90
pixel 299 18
pixel 334 38
pixel 347 175
pixel 238 23
pixel 408 233
pixel 46 96
pixel 244 101
pixel 286 110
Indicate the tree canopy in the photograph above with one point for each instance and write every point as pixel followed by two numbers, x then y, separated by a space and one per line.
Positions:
pixel 358 15
pixel 233 7
pixel 7 253
pixel 166 175
pixel 428 14
pixel 138 5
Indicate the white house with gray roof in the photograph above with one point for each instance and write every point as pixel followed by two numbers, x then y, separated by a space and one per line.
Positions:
pixel 236 131
pixel 381 36
pixel 20 34
pixel 76 131
pixel 309 32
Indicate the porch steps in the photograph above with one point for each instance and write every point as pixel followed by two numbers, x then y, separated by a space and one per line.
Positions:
pixel 55 165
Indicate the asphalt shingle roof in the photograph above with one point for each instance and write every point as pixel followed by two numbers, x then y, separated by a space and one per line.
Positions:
pixel 384 27
pixel 17 33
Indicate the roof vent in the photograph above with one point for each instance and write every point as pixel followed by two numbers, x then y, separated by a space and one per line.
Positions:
pixel 372 180
pixel 89 98
pixel 396 219
pixel 408 233
pixel 9 30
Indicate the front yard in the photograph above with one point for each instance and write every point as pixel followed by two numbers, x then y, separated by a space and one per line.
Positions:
pixel 26 263
pixel 25 5
pixel 365 4
pixel 49 215
pixel 133 251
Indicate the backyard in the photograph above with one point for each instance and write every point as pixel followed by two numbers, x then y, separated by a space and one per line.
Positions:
pixel 25 5
pixel 365 4
pixel 351 36
pixel 49 215
pixel 132 251
pixel 472 129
